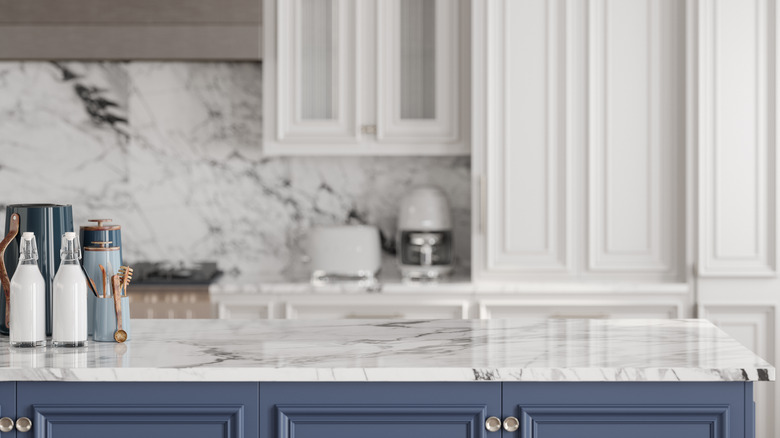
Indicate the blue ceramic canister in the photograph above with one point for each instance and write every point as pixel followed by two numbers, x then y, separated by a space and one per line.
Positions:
pixel 48 222
pixel 101 261
pixel 101 231
pixel 106 321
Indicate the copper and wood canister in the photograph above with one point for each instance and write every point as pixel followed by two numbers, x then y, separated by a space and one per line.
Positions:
pixel 101 261
pixel 101 231
pixel 102 246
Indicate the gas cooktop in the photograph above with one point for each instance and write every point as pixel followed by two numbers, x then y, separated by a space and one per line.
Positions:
pixel 172 273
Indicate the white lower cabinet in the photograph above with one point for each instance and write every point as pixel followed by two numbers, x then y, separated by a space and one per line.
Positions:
pixel 244 307
pixel 754 327
pixel 513 308
pixel 442 306
pixel 375 307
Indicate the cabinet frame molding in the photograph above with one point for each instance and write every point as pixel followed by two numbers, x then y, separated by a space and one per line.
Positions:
pixel 231 416
pixel 715 416
pixel 472 416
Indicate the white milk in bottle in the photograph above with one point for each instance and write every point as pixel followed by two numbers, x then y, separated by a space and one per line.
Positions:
pixel 69 298
pixel 28 298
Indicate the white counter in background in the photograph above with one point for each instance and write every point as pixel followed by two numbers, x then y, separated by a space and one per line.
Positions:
pixel 274 285
pixel 261 297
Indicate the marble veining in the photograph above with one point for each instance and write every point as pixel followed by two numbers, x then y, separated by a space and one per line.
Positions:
pixel 400 350
pixel 172 151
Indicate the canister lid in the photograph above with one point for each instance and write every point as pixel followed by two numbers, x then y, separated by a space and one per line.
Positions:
pixel 101 246
pixel 100 225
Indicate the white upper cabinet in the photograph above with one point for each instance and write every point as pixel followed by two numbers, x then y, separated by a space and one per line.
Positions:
pixel 317 72
pixel 579 141
pixel 418 72
pixel 366 77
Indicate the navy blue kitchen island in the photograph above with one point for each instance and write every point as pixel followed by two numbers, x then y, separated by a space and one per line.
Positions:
pixel 383 379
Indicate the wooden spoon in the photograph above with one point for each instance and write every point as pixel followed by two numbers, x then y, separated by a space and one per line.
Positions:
pixel 119 335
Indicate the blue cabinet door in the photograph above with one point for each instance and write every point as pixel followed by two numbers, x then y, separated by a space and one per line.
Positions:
pixel 8 405
pixel 636 410
pixel 378 410
pixel 146 410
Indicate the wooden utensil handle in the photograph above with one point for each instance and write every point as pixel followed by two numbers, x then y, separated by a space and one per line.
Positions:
pixel 103 291
pixel 13 230
pixel 117 300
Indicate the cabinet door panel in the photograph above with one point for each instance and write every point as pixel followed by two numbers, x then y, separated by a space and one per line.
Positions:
pixel 617 410
pixel 381 410
pixel 376 308
pixel 316 71
pixel 418 71
pixel 583 309
pixel 636 137
pixel 8 405
pixel 528 163
pixel 652 426
pixel 151 410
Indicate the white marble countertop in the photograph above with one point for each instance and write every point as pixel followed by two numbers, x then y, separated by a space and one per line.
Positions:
pixel 435 350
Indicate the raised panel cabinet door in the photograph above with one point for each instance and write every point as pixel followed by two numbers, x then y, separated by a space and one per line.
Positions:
pixel 735 126
pixel 590 309
pixel 527 208
pixel 8 402
pixel 378 410
pixel 636 138
pixel 312 72
pixel 421 307
pixel 419 71
pixel 630 409
pixel 147 409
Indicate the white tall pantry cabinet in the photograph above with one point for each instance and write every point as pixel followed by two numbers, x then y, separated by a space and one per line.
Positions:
pixel 733 122
pixel 624 154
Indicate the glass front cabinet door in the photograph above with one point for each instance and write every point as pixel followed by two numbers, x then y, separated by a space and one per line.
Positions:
pixel 366 77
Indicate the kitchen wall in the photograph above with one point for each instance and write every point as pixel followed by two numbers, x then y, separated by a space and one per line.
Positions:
pixel 171 151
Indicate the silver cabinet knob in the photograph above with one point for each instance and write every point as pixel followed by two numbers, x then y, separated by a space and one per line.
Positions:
pixel 511 424
pixel 493 424
pixel 23 424
pixel 6 424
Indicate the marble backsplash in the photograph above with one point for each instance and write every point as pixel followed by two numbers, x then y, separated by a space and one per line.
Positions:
pixel 172 152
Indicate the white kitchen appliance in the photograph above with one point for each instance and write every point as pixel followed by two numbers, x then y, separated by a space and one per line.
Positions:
pixel 345 254
pixel 424 236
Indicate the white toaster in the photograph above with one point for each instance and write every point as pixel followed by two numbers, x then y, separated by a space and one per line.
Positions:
pixel 344 253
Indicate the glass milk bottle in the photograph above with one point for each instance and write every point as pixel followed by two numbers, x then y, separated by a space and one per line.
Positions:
pixel 69 306
pixel 28 298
